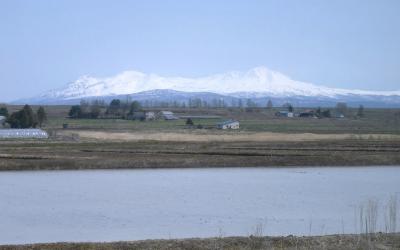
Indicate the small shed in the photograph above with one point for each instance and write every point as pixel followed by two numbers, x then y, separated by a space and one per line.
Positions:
pixel 230 124
pixel 168 115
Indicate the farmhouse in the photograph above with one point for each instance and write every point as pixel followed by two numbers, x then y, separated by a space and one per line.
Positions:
pixel 167 115
pixel 230 124
pixel 284 114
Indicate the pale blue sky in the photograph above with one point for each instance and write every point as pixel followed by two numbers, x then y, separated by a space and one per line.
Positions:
pixel 341 43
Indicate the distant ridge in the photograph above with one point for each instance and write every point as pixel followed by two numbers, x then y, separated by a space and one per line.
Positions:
pixel 258 84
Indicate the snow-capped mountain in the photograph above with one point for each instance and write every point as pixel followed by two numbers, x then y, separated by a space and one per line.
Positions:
pixel 256 83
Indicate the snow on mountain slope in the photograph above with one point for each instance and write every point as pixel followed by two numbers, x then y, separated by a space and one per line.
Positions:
pixel 257 82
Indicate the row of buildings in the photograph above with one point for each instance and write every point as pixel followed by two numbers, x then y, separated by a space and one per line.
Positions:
pixel 140 115
pixel 304 114
pixel 168 115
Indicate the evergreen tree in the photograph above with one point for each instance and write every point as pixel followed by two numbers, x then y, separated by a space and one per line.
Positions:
pixel 29 119
pixel 13 120
pixel 135 107
pixel 326 113
pixel 41 116
pixel 189 122
pixel 25 118
pixel 75 111
pixel 114 107
pixel 4 111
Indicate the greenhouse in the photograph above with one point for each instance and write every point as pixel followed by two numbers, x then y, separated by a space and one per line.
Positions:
pixel 23 133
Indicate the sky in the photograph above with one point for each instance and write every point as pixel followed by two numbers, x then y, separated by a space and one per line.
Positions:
pixel 45 44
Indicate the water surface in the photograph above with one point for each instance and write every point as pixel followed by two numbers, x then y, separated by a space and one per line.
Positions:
pixel 110 205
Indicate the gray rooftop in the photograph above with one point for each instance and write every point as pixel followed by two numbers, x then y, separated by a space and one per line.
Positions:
pixel 227 122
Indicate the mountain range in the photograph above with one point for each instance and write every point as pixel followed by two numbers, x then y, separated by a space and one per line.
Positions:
pixel 259 84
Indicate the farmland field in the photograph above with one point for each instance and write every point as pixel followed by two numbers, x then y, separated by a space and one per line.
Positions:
pixel 263 140
pixel 375 121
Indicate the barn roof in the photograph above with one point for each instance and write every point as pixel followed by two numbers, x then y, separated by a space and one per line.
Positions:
pixel 227 122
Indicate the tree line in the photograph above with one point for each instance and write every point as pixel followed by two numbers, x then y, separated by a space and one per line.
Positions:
pixel 341 109
pixel 194 103
pixel 98 108
pixel 124 108
pixel 25 118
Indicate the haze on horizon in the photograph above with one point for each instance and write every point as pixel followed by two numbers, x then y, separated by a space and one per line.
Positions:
pixel 341 44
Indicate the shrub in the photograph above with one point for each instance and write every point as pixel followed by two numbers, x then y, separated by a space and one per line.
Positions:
pixel 189 122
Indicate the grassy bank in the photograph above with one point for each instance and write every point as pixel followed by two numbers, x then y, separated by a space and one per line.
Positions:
pixel 340 242
pixel 31 155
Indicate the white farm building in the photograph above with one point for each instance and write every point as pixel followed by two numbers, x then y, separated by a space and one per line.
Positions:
pixel 23 133
pixel 231 124
pixel 168 115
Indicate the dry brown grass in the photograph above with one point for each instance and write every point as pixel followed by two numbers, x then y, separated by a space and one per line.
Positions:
pixel 206 136
pixel 333 242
